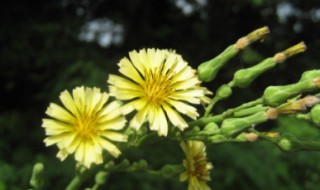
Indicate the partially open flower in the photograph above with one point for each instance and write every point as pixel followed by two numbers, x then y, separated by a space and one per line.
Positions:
pixel 160 85
pixel 196 164
pixel 85 126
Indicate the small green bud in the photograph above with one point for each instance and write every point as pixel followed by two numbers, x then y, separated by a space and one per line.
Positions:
pixel 290 143
pixel 242 137
pixel 211 127
pixel 233 126
pixel 142 163
pixel 101 177
pixel 223 92
pixel 208 70
pixel 315 115
pixel 244 77
pixel 276 95
pixel 109 165
pixel 209 130
pixel 310 75
pixel 36 180
pixel 285 144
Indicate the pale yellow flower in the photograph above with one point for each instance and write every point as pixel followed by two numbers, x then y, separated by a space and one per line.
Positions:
pixel 85 126
pixel 196 164
pixel 160 85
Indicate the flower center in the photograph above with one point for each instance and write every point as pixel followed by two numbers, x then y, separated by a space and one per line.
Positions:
pixel 200 167
pixel 86 126
pixel 157 87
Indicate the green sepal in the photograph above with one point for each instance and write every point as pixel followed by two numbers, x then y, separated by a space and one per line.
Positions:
pixel 208 70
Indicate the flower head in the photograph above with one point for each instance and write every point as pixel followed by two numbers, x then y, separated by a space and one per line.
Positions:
pixel 85 126
pixel 160 85
pixel 196 164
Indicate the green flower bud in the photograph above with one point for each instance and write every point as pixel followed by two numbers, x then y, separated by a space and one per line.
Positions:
pixel 233 126
pixel 315 115
pixel 36 180
pixel 211 127
pixel 223 92
pixel 285 144
pixel 290 143
pixel 310 75
pixel 101 177
pixel 242 137
pixel 208 70
pixel 243 78
pixel 276 95
pixel 217 138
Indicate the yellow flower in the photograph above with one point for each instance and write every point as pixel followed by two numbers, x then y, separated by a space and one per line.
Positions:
pixel 196 164
pixel 85 126
pixel 159 84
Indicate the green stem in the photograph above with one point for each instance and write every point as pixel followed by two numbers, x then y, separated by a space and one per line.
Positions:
pixel 205 120
pixel 248 104
pixel 80 178
pixel 218 118
pixel 210 106
pixel 309 145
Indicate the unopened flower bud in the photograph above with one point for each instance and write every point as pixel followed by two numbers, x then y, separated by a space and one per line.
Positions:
pixel 36 180
pixel 223 92
pixel 101 177
pixel 244 77
pixel 217 138
pixel 211 128
pixel 276 95
pixel 285 144
pixel 208 70
pixel 233 126
pixel 310 75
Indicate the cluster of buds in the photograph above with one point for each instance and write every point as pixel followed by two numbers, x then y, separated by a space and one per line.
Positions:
pixel 239 123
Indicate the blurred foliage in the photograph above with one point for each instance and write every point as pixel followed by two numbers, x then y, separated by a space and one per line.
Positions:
pixel 41 55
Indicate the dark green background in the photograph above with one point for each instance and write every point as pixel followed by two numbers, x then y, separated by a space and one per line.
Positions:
pixel 41 55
